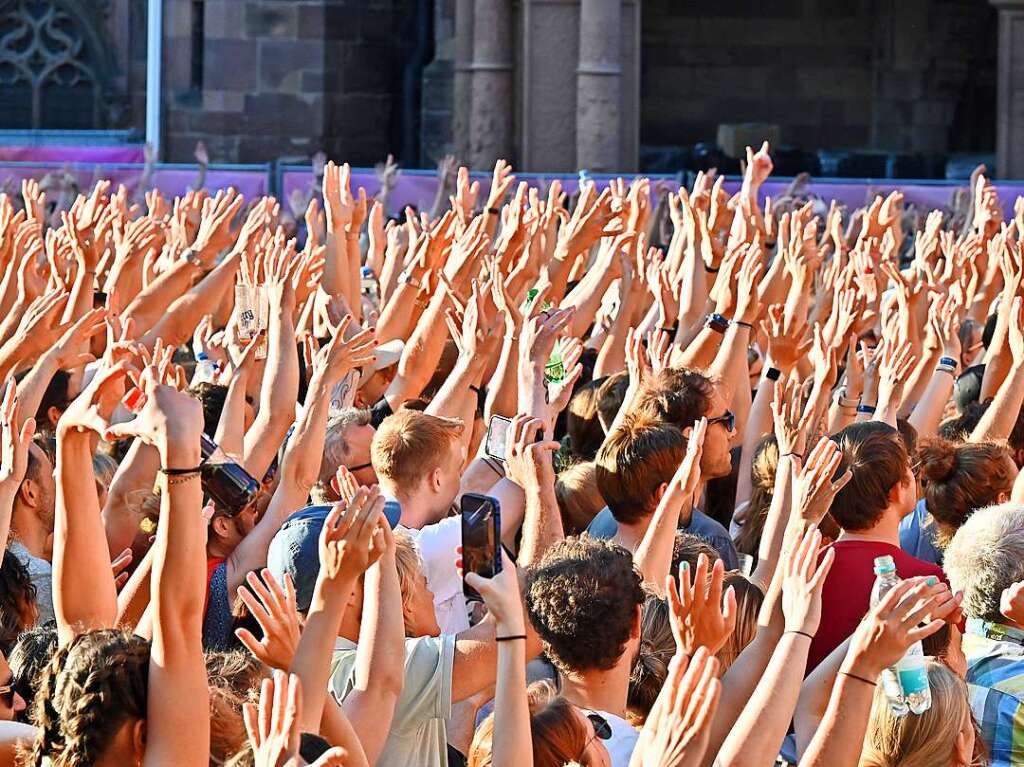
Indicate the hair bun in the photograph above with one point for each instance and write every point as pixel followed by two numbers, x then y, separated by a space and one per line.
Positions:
pixel 937 460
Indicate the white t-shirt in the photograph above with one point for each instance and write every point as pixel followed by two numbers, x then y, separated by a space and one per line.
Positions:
pixel 437 544
pixel 417 736
pixel 623 740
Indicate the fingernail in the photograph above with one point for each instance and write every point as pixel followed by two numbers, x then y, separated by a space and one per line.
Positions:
pixel 685 567
pixel 932 580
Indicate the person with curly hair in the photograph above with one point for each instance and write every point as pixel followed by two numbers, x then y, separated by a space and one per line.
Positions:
pixel 584 599
pixel 18 611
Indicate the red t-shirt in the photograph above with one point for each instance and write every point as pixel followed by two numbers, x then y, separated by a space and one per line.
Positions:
pixel 846 596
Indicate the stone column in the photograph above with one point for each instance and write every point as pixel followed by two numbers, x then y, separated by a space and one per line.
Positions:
pixel 1010 90
pixel 491 128
pixel 599 80
pixel 462 96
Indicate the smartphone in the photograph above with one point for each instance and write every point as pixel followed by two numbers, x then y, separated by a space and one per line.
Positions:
pixel 497 432
pixel 481 539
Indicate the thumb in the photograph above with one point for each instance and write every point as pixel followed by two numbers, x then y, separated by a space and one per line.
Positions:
pixel 125 430
pixel 478 582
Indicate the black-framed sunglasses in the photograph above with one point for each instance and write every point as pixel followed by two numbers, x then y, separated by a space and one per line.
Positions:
pixel 727 419
pixel 602 731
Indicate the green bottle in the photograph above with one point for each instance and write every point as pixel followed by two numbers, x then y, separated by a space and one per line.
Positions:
pixel 554 370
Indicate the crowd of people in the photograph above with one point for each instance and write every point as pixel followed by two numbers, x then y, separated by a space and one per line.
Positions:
pixel 236 443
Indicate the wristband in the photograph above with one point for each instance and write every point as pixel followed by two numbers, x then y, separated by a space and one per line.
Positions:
pixel 946 369
pixel 859 678
pixel 494 211
pixel 743 324
pixel 792 453
pixel 710 269
pixel 179 480
pixel 510 638
pixel 949 361
pixel 670 331
pixel 408 279
pixel 867 409
pixel 181 472
pixel 773 374
pixel 849 404
pixel 717 323
pixel 801 633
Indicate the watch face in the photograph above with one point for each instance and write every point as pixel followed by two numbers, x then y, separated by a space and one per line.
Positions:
pixel 718 323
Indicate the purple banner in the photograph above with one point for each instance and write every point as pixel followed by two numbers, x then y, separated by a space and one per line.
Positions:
pixel 60 153
pixel 173 181
pixel 418 188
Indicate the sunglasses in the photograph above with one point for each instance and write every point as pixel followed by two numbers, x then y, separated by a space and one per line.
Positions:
pixel 360 467
pixel 602 731
pixel 727 419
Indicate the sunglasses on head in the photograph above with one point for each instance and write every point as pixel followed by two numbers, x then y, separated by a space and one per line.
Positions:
pixel 727 419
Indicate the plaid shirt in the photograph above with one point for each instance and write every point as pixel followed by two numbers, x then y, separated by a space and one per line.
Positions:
pixel 995 682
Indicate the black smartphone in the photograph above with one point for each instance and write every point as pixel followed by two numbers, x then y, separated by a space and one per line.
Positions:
pixel 481 539
pixel 497 432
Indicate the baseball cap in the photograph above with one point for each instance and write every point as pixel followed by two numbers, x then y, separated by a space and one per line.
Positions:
pixel 295 550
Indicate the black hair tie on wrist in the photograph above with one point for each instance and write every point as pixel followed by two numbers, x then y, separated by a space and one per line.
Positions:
pixel 510 638
pixel 181 472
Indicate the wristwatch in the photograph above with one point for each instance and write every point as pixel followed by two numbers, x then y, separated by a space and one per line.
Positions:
pixel 717 323
pixel 192 257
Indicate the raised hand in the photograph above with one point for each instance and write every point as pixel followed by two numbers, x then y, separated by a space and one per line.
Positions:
pixel 803 579
pixel 678 728
pixel 1011 603
pixel 501 595
pixel 892 626
pixel 273 728
pixel 352 539
pixel 528 462
pixel 274 609
pixel 339 356
pixel 13 443
pixel 214 234
pixel 792 424
pixel 814 488
pixel 698 614
pixel 93 408
pixel 539 334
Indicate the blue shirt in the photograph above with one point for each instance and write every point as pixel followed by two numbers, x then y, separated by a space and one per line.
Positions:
pixel 604 526
pixel 995 684
pixel 918 534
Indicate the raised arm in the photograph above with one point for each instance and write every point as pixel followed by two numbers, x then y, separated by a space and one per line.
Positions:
pixel 999 419
pixel 301 461
pixel 654 554
pixel 758 733
pixel 173 422
pixel 84 596
pixel 280 385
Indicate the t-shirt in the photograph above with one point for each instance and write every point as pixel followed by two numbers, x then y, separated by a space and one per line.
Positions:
pixel 605 527
pixel 437 545
pixel 40 572
pixel 623 740
pixel 418 736
pixel 846 595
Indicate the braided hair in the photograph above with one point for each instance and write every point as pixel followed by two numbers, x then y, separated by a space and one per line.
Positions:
pixel 86 693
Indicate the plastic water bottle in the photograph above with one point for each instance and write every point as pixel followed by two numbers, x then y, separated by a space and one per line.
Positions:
pixel 906 683
pixel 206 369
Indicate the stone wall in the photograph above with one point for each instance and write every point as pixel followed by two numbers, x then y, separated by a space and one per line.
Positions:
pixel 888 74
pixel 285 78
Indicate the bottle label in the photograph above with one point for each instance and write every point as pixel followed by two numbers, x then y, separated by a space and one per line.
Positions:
pixel 913 678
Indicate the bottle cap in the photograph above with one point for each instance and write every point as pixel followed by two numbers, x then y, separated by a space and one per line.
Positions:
pixel 884 565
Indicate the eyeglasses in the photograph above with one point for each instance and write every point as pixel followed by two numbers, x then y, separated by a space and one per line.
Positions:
pixel 360 467
pixel 602 731
pixel 727 419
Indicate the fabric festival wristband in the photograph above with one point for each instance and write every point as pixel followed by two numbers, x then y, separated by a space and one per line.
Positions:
pixel 868 409
pixel 948 362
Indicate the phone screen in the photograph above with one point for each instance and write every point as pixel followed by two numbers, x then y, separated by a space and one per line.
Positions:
pixel 481 538
pixel 497 431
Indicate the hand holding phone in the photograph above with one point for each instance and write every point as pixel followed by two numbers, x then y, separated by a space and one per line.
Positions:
pixel 481 539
